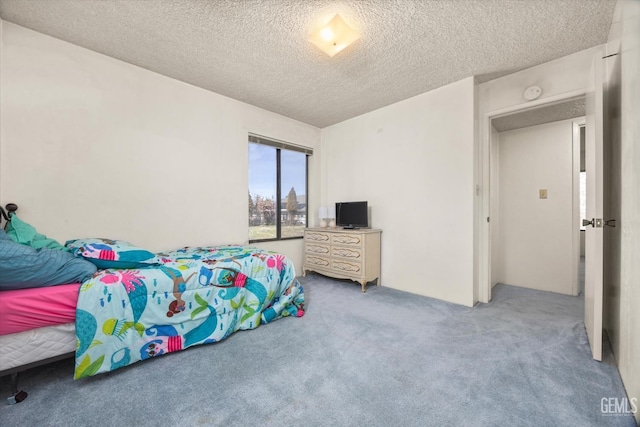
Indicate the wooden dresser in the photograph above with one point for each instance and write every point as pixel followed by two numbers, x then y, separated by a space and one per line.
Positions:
pixel 343 254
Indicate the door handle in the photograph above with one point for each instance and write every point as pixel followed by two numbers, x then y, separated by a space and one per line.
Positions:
pixel 597 222
pixel 586 222
pixel 610 223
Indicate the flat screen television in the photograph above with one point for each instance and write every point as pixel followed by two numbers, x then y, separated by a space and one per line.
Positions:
pixel 352 214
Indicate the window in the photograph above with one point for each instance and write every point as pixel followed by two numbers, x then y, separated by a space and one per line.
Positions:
pixel 277 189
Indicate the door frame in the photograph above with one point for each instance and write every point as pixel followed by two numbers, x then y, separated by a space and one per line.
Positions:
pixel 485 168
pixel 577 124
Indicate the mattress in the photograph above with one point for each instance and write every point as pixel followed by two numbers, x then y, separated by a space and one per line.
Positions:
pixel 36 344
pixel 26 309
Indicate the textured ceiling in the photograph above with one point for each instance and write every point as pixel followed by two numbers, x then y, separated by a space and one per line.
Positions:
pixel 257 51
pixel 537 116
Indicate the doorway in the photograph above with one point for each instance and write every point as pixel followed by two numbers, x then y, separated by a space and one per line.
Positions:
pixel 487 178
pixel 535 198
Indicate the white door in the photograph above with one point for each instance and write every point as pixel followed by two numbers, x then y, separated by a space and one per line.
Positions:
pixel 593 288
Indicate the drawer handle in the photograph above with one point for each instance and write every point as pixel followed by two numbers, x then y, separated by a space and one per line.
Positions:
pixel 345 239
pixel 318 249
pixel 346 267
pixel 318 237
pixel 318 261
pixel 347 253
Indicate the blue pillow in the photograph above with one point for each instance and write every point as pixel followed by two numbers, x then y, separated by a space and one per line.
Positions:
pixel 106 253
pixel 22 266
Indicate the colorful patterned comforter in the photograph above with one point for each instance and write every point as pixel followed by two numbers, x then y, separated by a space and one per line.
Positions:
pixel 198 296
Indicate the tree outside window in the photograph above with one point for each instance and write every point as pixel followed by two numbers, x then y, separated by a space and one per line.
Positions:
pixel 277 192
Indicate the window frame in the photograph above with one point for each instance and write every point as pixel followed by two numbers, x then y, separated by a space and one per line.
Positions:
pixel 279 146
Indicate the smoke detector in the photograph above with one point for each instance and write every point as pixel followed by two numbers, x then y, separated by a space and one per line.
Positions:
pixel 532 92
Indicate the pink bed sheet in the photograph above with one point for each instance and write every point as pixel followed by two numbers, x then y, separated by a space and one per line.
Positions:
pixel 25 309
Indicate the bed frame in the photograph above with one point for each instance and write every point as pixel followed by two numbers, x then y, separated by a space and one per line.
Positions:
pixel 17 395
pixel 10 210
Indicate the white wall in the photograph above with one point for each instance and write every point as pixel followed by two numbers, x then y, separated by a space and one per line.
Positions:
pixel 497 272
pixel 1 50
pixel 413 162
pixel 563 75
pixel 92 146
pixel 536 235
pixel 622 316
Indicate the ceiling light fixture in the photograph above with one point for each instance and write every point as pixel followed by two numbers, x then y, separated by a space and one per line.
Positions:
pixel 334 37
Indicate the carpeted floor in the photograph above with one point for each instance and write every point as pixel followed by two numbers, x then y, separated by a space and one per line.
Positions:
pixel 384 358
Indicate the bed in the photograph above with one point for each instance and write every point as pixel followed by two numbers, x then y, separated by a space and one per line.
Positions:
pixel 30 342
pixel 37 324
pixel 170 302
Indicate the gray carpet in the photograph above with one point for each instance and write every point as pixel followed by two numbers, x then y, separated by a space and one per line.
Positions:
pixel 384 358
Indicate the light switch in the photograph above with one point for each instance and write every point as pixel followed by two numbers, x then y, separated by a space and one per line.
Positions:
pixel 543 193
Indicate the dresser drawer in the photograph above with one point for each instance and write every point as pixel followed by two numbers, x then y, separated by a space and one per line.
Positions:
pixel 346 267
pixel 317 249
pixel 346 239
pixel 317 261
pixel 347 253
pixel 343 254
pixel 315 236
